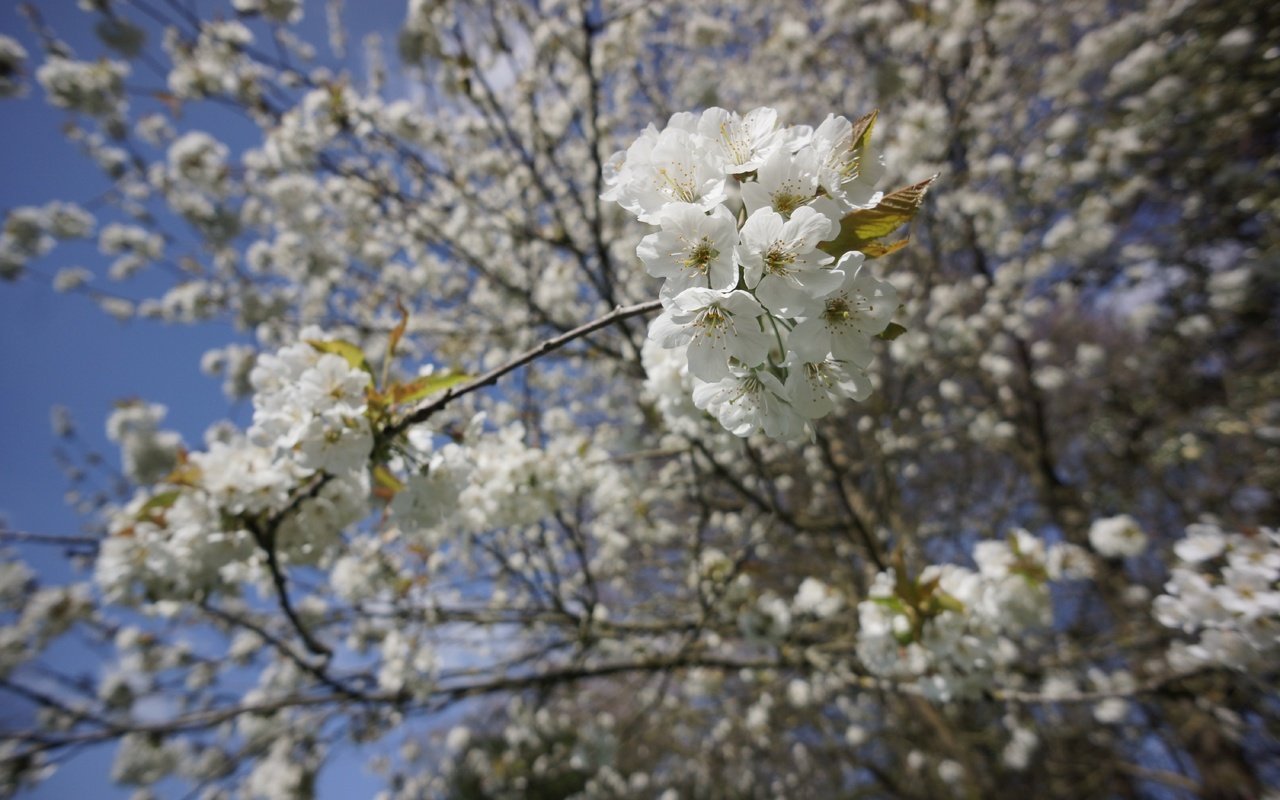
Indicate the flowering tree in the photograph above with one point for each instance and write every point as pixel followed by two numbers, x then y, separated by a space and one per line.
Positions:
pixel 622 429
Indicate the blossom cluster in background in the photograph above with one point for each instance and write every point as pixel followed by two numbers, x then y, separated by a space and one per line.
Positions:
pixel 1224 595
pixel 953 629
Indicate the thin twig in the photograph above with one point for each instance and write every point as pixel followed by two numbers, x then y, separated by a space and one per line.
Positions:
pixel 27 537
pixel 266 540
pixel 424 412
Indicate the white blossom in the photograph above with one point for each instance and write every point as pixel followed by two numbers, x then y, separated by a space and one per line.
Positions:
pixel 95 88
pixel 1117 537
pixel 781 262
pixel 743 142
pixel 746 401
pixel 716 327
pixel 847 173
pixel 857 310
pixel 814 387
pixel 693 249
pixel 785 182
pixel 674 165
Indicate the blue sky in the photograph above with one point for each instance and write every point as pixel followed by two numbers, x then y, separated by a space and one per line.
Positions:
pixel 60 349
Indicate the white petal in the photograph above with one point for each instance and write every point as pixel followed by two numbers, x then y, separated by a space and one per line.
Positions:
pixel 708 357
pixel 819 283
pixel 849 345
pixel 669 333
pixel 782 296
pixel 811 340
pixel 755 197
pixel 806 228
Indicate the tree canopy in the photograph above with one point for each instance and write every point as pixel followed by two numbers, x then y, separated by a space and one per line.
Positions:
pixel 732 399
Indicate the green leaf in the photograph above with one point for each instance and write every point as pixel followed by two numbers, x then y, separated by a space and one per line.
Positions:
pixel 892 602
pixel 927 588
pixel 185 474
pixel 384 477
pixel 397 333
pixel 158 502
pixel 948 603
pixel 862 130
pixel 880 250
pixel 418 388
pixel 891 332
pixel 393 340
pixel 386 485
pixel 347 350
pixel 862 227
pixel 861 138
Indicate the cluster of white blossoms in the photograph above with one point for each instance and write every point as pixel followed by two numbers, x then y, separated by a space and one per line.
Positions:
pixel 147 453
pixel 312 404
pixel 492 479
pixel 32 617
pixel 1224 594
pixel 90 87
pixel 215 64
pixel 198 158
pixel 775 330
pixel 951 629
pixel 196 523
pixel 30 232
pixel 134 248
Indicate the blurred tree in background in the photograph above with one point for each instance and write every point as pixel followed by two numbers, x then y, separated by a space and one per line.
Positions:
pixel 479 528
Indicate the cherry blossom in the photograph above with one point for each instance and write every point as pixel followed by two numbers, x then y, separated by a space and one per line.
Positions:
pixel 849 317
pixel 693 249
pixel 716 327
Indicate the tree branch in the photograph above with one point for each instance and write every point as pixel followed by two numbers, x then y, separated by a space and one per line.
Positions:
pixel 425 412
